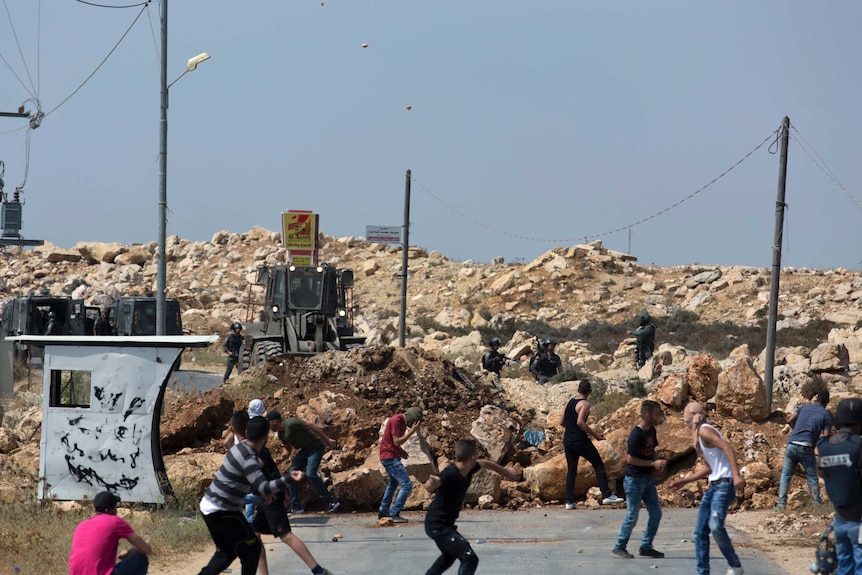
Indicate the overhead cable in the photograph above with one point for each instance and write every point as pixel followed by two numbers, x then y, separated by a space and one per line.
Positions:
pixel 821 165
pixel 603 234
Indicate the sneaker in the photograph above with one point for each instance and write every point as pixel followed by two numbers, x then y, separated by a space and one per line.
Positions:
pixel 326 571
pixel 297 511
pixel 332 506
pixel 779 507
pixel 570 506
pixel 382 514
pixel 650 552
pixel 621 553
pixel 397 519
pixel 612 499
pixel 735 571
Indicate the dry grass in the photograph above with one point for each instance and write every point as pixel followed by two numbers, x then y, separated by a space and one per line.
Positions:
pixel 35 537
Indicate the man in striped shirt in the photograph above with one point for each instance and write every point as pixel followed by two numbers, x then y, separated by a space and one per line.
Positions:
pixel 239 474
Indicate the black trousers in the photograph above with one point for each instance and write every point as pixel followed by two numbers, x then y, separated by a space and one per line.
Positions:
pixel 453 546
pixel 586 449
pixel 233 537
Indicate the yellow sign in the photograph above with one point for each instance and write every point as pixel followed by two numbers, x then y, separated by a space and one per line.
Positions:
pixel 301 261
pixel 299 230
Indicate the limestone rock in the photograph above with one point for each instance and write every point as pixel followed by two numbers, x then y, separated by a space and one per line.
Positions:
pixel 741 393
pixel 829 357
pixel 495 431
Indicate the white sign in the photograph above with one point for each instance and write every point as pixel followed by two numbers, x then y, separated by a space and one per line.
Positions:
pixel 383 234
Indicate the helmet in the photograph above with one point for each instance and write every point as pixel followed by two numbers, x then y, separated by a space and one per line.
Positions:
pixel 495 341
pixel 825 557
pixel 849 411
pixel 645 318
pixel 549 341
pixel 235 325
pixel 51 314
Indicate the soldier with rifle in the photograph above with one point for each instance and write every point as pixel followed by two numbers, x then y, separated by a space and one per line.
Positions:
pixel 493 360
pixel 546 364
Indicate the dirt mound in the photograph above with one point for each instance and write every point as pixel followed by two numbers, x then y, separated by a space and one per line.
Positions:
pixel 349 394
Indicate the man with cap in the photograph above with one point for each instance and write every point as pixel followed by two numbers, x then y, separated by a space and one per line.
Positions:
pixel 94 544
pixel 311 443
pixel 840 465
pixel 396 430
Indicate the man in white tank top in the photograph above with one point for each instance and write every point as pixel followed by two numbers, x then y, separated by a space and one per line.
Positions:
pixel 724 480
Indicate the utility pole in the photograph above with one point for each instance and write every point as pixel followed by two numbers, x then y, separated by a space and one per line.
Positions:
pixel 405 247
pixel 776 263
pixel 161 257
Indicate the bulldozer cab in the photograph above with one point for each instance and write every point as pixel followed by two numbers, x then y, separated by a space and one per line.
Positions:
pixel 136 315
pixel 305 310
pixel 32 315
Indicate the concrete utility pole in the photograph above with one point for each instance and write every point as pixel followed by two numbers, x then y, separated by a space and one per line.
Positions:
pixel 405 245
pixel 776 262
pixel 161 258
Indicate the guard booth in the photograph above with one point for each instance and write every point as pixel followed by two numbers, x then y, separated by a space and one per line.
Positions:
pixel 102 402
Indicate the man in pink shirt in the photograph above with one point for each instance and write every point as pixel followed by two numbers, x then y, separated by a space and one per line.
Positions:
pixel 396 431
pixel 94 544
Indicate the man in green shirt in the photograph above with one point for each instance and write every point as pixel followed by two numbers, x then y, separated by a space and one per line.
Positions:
pixel 311 442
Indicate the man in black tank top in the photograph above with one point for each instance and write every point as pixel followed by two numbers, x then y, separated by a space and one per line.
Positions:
pixel 577 444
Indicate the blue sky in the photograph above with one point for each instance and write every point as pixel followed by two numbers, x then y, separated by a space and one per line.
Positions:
pixel 554 120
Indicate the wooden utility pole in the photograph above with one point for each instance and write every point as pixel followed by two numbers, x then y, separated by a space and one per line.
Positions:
pixel 776 263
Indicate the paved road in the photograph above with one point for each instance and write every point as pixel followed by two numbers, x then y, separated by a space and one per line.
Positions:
pixel 550 540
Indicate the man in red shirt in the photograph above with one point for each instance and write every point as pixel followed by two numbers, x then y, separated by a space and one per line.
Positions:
pixel 94 544
pixel 396 431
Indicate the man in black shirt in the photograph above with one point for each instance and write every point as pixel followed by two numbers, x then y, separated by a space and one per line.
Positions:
pixel 449 489
pixel 639 482
pixel 577 444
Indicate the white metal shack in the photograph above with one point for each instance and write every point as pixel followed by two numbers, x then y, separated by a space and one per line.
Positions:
pixel 102 401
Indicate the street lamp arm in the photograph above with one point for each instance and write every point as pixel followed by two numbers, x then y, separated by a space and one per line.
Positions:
pixel 192 66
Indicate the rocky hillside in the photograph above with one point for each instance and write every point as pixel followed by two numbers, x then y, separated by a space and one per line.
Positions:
pixel 585 291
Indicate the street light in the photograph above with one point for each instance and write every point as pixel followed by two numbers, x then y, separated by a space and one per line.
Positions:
pixel 161 262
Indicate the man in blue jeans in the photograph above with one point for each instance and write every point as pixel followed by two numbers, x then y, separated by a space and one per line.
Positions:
pixel 311 442
pixel 840 461
pixel 639 482
pixel 724 479
pixel 809 422
pixel 396 431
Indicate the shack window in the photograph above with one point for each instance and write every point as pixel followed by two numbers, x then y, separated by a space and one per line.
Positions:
pixel 70 388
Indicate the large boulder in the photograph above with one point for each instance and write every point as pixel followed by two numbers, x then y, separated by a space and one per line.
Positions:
pixel 829 357
pixel 191 473
pixel 703 374
pixel 360 487
pixel 741 393
pixel 496 431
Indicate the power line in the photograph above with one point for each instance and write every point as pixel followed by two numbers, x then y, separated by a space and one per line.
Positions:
pixel 821 165
pixel 109 6
pixel 105 59
pixel 20 52
pixel 607 233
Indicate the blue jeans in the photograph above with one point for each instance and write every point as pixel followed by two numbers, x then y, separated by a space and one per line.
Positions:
pixel 307 461
pixel 710 519
pixel 640 489
pixel 137 564
pixel 847 546
pixel 397 476
pixel 793 455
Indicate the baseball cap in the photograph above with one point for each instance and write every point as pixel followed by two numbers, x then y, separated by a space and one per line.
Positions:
pixel 105 501
pixel 273 416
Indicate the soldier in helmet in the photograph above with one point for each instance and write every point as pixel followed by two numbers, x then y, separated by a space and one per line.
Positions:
pixel 839 463
pixel 232 346
pixel 53 326
pixel 546 364
pixel 645 334
pixel 493 360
